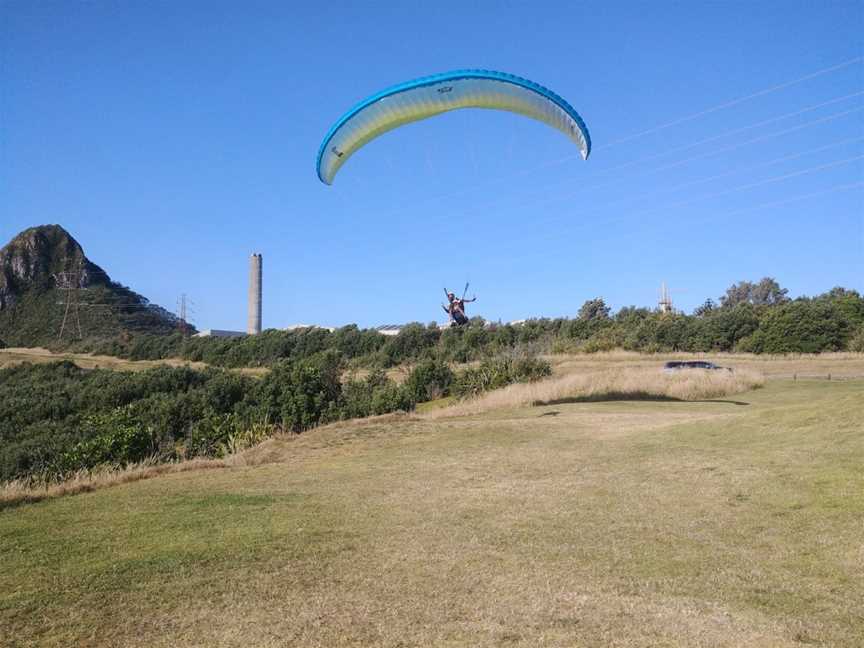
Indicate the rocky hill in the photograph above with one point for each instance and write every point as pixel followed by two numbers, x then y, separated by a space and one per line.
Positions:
pixel 45 277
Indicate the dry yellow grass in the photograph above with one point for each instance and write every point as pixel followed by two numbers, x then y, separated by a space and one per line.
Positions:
pixel 15 492
pixel 626 524
pixel 802 365
pixel 21 491
pixel 38 355
pixel 611 384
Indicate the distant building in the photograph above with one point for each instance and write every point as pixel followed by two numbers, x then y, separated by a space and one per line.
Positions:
pixel 389 329
pixel 220 333
pixel 297 327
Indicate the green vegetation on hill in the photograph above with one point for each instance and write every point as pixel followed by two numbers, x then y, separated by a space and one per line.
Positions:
pixel 828 322
pixel 751 316
pixel 56 418
pixel 39 269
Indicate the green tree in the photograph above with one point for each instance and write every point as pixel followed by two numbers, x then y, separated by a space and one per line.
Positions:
pixel 767 292
pixel 707 307
pixel 802 326
pixel 428 380
pixel 594 309
pixel 849 302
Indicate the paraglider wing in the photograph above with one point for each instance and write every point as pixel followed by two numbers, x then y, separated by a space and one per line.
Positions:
pixel 433 95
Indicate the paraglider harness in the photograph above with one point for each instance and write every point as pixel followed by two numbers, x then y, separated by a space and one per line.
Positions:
pixel 456 307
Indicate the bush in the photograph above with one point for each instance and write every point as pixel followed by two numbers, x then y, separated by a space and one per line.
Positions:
pixel 300 395
pixel 210 435
pixel 428 380
pixel 500 371
pixel 606 339
pixel 113 437
pixel 856 342
pixel 413 342
pixel 802 326
pixel 376 394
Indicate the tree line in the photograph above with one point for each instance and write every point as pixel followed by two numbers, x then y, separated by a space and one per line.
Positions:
pixel 750 317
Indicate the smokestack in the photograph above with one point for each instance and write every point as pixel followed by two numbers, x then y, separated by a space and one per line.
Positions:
pixel 255 266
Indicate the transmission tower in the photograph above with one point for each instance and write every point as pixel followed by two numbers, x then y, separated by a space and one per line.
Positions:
pixel 665 304
pixel 70 283
pixel 183 314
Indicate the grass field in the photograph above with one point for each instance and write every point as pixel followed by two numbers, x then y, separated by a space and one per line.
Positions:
pixel 735 522
pixel 841 365
pixel 837 365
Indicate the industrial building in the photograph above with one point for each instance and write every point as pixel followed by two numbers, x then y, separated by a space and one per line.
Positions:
pixel 253 321
pixel 296 327
pixel 220 333
pixel 389 329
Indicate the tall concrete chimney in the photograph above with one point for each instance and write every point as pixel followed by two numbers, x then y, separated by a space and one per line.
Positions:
pixel 255 267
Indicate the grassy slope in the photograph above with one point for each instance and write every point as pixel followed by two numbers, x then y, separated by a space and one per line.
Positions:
pixel 38 355
pixel 627 524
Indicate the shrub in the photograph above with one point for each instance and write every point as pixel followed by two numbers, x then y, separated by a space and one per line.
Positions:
pixel 112 437
pixel 802 326
pixel 428 380
pixel 856 342
pixel 376 394
pixel 413 342
pixel 606 339
pixel 211 436
pixel 500 371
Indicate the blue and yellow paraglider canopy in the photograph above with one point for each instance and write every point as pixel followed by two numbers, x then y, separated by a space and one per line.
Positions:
pixel 433 95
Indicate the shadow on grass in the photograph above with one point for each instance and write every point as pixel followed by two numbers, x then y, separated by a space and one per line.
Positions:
pixel 630 396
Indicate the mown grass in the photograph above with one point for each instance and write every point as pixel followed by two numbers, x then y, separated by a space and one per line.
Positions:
pixel 588 524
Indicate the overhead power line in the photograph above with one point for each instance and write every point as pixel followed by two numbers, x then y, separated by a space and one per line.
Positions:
pixel 761 165
pixel 780 178
pixel 534 202
pixel 762 138
pixel 734 171
pixel 721 106
pixel 764 205
pixel 731 190
pixel 735 131
pixel 728 133
pixel 734 102
pixel 642 212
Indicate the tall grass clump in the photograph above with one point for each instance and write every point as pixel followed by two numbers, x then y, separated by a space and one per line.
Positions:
pixel 35 488
pixel 518 366
pixel 615 384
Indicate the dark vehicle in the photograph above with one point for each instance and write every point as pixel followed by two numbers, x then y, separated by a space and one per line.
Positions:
pixel 692 364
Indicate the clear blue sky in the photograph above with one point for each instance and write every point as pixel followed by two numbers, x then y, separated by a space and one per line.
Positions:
pixel 173 139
